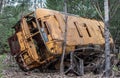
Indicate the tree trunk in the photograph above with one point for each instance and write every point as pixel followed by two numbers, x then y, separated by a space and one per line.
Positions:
pixel 1 4
pixel 107 40
pixel 41 3
pixel 65 38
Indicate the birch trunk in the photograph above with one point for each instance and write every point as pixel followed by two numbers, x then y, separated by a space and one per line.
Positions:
pixel 107 40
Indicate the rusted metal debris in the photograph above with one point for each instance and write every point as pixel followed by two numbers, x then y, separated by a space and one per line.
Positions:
pixel 38 40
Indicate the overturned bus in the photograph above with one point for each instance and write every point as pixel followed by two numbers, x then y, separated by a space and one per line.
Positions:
pixel 39 37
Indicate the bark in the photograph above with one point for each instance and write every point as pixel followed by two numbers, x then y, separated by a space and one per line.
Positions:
pixel 107 40
pixel 1 4
pixel 65 38
pixel 41 2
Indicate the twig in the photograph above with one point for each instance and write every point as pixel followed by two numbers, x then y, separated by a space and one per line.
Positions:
pixel 98 10
pixel 115 10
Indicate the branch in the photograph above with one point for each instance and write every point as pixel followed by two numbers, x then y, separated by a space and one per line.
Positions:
pixel 98 10
pixel 113 5
pixel 115 10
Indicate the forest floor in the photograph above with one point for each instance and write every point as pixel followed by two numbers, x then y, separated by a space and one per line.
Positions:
pixel 9 69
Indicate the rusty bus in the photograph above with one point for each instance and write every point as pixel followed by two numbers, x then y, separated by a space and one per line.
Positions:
pixel 39 36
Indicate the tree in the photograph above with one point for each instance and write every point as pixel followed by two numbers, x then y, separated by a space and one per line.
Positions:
pixel 1 3
pixel 9 16
pixel 65 38
pixel 78 7
pixel 107 39
pixel 55 4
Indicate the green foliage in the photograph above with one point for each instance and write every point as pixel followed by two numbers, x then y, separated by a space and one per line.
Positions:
pixel 115 25
pixel 78 7
pixel 55 4
pixel 115 68
pixel 9 16
pixel 2 57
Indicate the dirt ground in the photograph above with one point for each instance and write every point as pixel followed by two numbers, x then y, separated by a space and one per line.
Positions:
pixel 11 70
pixel 17 73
